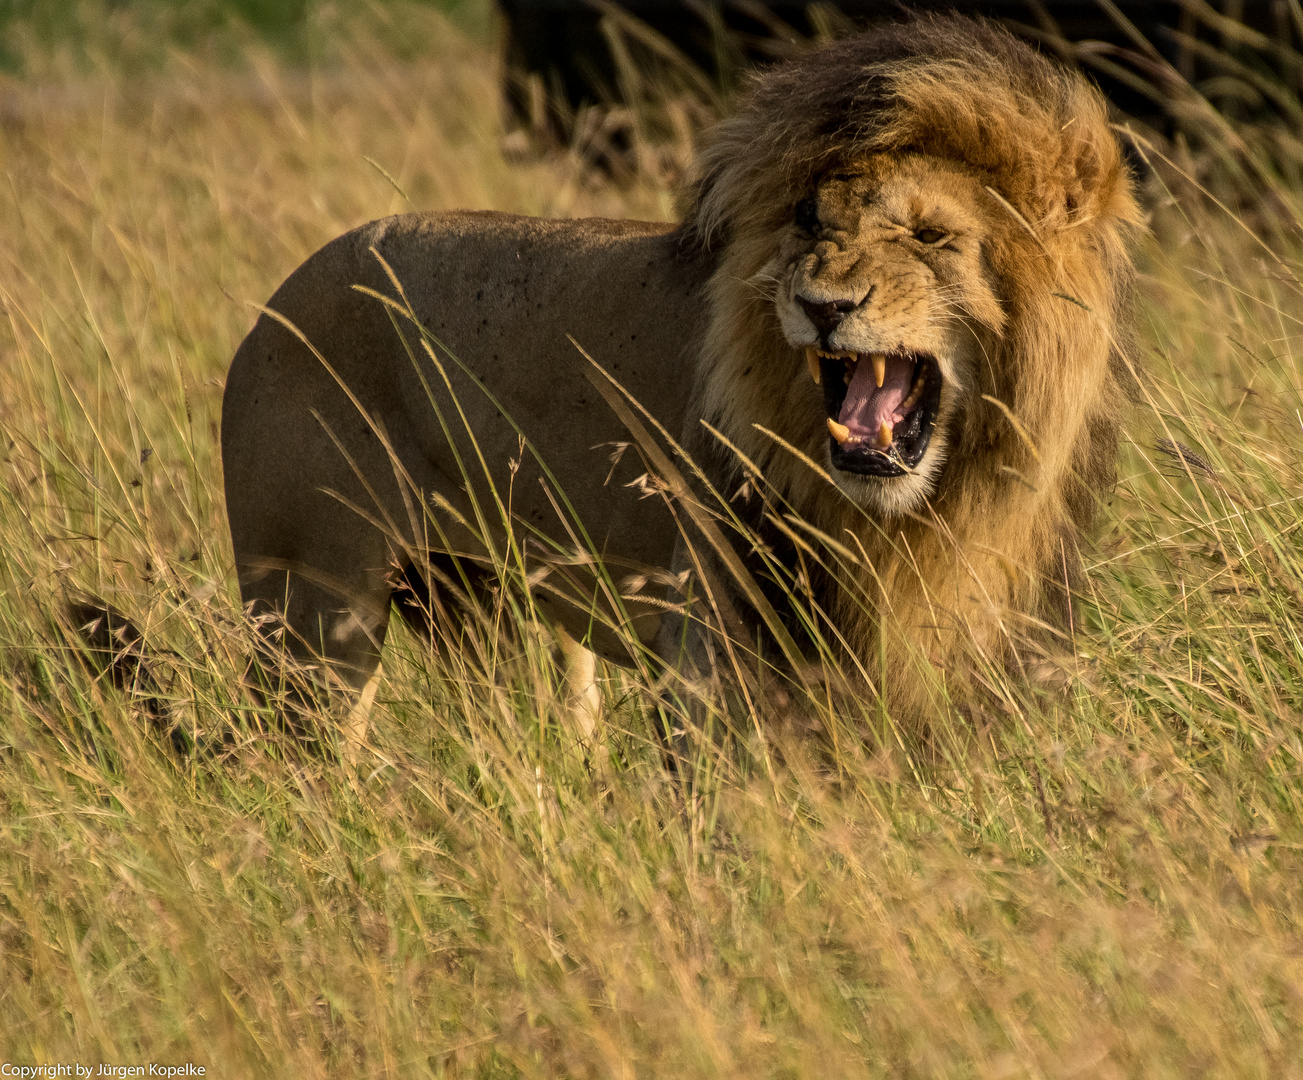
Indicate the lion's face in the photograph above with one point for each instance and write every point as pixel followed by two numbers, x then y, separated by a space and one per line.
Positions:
pixel 881 287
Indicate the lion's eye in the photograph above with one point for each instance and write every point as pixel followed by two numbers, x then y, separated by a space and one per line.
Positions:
pixel 930 236
pixel 807 216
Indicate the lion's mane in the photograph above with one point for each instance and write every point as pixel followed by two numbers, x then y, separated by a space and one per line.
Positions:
pixel 996 550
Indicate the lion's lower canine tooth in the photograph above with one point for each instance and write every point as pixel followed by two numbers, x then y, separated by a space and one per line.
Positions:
pixel 879 368
pixel 884 434
pixel 812 362
pixel 840 432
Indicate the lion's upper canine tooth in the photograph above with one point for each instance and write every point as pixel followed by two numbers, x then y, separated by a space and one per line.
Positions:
pixel 879 368
pixel 884 435
pixel 840 432
pixel 812 362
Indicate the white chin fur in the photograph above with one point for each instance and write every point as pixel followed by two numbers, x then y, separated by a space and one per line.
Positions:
pixel 893 495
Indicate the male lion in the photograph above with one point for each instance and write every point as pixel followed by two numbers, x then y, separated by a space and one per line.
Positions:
pixel 902 261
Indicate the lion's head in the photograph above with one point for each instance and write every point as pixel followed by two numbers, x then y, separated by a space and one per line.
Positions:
pixel 921 257
pixel 921 250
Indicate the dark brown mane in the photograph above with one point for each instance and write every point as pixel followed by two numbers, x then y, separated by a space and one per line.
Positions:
pixel 951 87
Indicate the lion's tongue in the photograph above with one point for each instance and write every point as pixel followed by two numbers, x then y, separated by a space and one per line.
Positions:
pixel 867 406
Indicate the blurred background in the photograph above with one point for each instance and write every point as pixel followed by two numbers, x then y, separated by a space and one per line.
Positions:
pixel 558 59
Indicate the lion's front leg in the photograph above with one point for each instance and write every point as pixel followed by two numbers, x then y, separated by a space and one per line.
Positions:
pixel 701 641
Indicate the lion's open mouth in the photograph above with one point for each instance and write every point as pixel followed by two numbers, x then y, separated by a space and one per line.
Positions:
pixel 881 408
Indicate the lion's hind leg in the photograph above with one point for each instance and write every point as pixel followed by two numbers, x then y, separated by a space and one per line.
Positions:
pixel 453 597
pixel 322 635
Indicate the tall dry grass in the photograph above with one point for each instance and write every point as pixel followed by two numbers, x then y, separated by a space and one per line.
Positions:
pixel 1096 879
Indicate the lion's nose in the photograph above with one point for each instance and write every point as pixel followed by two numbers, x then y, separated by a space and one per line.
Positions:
pixel 826 315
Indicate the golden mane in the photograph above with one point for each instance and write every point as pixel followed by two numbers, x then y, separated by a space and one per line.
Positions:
pixel 1037 440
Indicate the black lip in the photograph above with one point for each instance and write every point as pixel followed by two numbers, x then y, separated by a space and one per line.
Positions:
pixel 912 434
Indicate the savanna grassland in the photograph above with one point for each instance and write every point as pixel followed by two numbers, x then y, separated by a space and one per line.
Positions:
pixel 1095 875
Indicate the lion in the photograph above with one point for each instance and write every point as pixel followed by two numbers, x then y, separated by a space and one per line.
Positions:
pixel 896 301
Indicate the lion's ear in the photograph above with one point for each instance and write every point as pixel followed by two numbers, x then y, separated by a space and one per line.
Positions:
pixel 1096 182
pixel 1083 178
